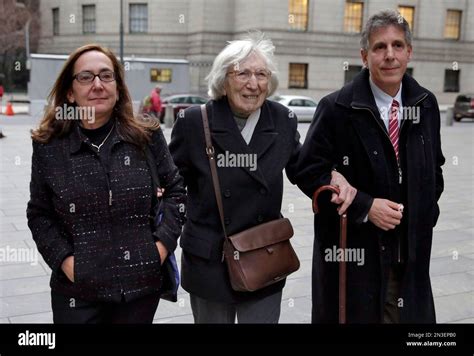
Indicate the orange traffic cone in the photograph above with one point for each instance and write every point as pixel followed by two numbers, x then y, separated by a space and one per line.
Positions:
pixel 9 109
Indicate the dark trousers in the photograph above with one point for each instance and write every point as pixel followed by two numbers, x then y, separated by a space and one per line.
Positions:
pixel 259 311
pixel 70 310
pixel 391 311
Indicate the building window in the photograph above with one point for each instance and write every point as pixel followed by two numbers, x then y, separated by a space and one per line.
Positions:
pixel 351 72
pixel 88 18
pixel 138 18
pixel 298 15
pixel 451 81
pixel 353 17
pixel 408 13
pixel 298 76
pixel 452 29
pixel 56 21
pixel 161 75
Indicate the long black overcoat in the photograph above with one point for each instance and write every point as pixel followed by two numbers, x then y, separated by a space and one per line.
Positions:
pixel 251 194
pixel 348 134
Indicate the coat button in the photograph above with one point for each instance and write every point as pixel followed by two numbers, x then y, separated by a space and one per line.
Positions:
pixel 263 191
pixel 376 153
pixel 382 248
pixel 227 193
pixel 227 221
pixel 260 218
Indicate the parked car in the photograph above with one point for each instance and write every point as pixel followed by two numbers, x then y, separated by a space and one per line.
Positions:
pixel 179 102
pixel 303 106
pixel 464 106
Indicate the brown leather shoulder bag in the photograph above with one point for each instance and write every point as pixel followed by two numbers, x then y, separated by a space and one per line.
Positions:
pixel 259 256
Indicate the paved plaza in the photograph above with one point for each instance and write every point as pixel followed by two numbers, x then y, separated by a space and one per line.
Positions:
pixel 24 287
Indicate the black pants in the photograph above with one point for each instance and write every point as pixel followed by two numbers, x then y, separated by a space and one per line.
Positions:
pixel 70 310
pixel 391 313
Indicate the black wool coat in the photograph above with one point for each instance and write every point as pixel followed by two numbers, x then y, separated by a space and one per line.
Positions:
pixel 97 208
pixel 250 196
pixel 348 134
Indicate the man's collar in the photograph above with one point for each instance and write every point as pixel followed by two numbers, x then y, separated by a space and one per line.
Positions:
pixel 382 97
pixel 359 94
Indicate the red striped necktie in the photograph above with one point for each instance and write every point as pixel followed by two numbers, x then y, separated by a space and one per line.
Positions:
pixel 393 129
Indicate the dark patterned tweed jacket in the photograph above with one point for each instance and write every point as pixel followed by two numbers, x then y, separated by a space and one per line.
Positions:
pixel 96 206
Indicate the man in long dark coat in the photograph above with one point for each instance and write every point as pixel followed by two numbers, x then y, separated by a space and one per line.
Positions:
pixel 382 132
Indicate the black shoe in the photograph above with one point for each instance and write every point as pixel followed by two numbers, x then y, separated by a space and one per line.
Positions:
pixel 2 135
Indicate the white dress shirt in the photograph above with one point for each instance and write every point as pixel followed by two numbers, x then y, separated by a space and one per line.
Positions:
pixel 384 102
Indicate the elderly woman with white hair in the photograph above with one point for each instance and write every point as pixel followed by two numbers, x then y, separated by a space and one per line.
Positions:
pixel 254 140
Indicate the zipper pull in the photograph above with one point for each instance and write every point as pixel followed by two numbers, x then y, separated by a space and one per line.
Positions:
pixel 399 175
pixel 222 259
pixel 110 197
pixel 422 140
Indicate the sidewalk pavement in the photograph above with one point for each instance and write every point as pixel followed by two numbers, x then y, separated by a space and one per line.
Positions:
pixel 24 287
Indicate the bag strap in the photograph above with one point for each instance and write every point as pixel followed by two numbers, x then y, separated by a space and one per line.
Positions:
pixel 212 163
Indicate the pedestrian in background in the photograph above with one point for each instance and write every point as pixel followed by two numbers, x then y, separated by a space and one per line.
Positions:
pixel 156 105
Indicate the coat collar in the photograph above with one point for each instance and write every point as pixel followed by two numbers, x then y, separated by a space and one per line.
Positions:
pixel 78 140
pixel 359 94
pixel 227 136
pixel 223 125
pixel 224 119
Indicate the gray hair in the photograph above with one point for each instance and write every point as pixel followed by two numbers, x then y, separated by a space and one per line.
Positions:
pixel 235 53
pixel 381 19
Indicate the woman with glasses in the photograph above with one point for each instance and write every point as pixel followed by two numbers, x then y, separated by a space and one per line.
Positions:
pixel 92 194
pixel 254 141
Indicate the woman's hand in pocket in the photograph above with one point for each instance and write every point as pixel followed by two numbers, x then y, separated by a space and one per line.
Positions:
pixel 68 267
pixel 162 250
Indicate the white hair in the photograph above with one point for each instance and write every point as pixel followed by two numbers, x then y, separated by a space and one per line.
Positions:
pixel 235 53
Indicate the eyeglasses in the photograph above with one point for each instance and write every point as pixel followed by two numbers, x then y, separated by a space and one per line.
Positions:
pixel 88 77
pixel 243 76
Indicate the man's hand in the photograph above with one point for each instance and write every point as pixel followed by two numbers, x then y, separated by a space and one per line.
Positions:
pixel 68 267
pixel 162 250
pixel 160 192
pixel 385 214
pixel 347 192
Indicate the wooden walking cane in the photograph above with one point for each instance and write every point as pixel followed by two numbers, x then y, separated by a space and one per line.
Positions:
pixel 342 245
